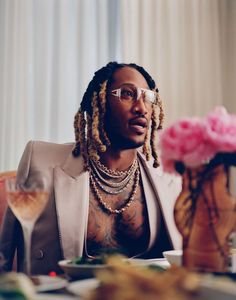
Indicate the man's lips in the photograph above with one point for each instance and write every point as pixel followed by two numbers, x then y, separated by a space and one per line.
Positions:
pixel 138 121
pixel 138 125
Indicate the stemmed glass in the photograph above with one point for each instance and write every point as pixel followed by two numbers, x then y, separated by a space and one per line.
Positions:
pixel 27 204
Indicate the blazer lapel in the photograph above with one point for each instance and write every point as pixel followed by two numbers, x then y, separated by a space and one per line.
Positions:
pixel 71 188
pixel 167 189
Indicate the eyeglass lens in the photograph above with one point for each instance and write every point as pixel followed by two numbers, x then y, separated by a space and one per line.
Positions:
pixel 134 93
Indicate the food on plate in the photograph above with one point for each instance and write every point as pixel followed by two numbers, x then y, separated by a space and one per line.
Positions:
pixel 88 261
pixel 127 282
pixel 16 286
pixel 98 260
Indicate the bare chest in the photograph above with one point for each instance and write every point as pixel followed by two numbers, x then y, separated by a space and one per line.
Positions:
pixel 127 231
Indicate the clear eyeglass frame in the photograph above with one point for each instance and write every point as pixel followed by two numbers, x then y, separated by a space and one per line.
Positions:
pixel 149 95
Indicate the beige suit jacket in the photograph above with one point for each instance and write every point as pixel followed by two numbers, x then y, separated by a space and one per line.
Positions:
pixel 60 231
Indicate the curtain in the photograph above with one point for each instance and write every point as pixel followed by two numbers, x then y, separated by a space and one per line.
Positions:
pixel 49 50
pixel 188 46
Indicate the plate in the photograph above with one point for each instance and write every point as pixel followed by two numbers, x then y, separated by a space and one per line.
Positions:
pixel 211 286
pixel 43 283
pixel 160 262
pixel 217 288
pixel 82 287
pixel 81 271
pixel 49 296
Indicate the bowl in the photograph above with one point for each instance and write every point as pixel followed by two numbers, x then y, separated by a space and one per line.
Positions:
pixel 174 257
pixel 80 271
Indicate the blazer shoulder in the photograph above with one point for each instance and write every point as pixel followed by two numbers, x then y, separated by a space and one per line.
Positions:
pixel 40 155
pixel 47 150
pixel 50 146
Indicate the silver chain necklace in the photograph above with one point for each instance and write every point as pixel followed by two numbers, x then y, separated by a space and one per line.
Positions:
pixel 109 184
pixel 112 173
pixel 112 190
pixel 128 202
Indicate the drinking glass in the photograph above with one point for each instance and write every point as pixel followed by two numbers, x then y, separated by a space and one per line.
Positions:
pixel 27 204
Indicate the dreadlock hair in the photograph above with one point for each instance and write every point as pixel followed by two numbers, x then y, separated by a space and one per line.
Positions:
pixel 90 136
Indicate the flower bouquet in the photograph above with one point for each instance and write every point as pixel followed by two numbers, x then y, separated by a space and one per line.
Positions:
pixel 201 150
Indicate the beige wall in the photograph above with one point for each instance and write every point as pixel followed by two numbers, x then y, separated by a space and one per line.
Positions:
pixel 230 56
pixel 230 64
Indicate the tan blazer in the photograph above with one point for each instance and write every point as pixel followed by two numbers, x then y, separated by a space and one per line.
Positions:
pixel 60 231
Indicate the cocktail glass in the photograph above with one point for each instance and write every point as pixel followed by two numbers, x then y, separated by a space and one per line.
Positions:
pixel 27 204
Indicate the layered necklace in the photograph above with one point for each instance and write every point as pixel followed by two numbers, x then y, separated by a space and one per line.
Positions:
pixel 113 183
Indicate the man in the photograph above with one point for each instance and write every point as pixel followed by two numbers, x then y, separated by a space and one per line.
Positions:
pixel 103 192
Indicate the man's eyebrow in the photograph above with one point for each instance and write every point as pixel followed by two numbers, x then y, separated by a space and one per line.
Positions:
pixel 132 85
pixel 128 83
pixel 125 84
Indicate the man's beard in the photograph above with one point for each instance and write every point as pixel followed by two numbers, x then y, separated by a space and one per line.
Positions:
pixel 121 142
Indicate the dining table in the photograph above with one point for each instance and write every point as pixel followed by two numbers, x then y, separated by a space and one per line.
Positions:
pixel 74 284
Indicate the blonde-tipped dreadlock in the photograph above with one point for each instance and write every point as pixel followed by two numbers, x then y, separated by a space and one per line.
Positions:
pixel 90 135
pixel 154 128
pixel 80 137
pixel 146 146
pixel 102 97
pixel 92 151
pixel 151 138
pixel 95 125
pixel 161 113
pixel 89 132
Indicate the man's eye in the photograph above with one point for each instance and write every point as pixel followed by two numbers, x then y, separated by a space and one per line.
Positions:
pixel 126 94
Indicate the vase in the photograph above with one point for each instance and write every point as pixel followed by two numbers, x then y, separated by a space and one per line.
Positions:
pixel 205 215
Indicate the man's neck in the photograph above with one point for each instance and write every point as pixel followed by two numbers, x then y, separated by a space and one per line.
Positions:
pixel 118 160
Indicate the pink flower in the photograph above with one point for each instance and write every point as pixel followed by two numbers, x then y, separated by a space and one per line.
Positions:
pixel 221 130
pixel 195 141
pixel 185 142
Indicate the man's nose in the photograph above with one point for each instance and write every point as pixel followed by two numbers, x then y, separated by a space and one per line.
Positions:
pixel 140 105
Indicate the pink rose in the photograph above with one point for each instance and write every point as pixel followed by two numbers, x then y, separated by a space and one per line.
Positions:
pixel 221 130
pixel 195 141
pixel 185 141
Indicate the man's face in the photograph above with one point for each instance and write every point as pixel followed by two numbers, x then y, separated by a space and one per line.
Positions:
pixel 127 122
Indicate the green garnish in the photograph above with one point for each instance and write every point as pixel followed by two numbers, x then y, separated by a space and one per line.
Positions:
pixel 88 261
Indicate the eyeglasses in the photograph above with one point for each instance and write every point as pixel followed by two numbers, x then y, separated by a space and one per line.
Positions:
pixel 129 94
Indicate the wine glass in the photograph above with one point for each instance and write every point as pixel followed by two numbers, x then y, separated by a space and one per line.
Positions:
pixel 27 204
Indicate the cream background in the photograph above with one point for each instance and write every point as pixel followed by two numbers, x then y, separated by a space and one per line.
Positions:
pixel 49 50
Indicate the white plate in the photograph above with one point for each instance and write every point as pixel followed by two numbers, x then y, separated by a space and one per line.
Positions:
pixel 82 287
pixel 83 271
pixel 160 262
pixel 80 271
pixel 45 283
pixel 49 296
pixel 217 288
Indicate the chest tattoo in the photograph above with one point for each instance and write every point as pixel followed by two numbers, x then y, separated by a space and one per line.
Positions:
pixel 127 232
